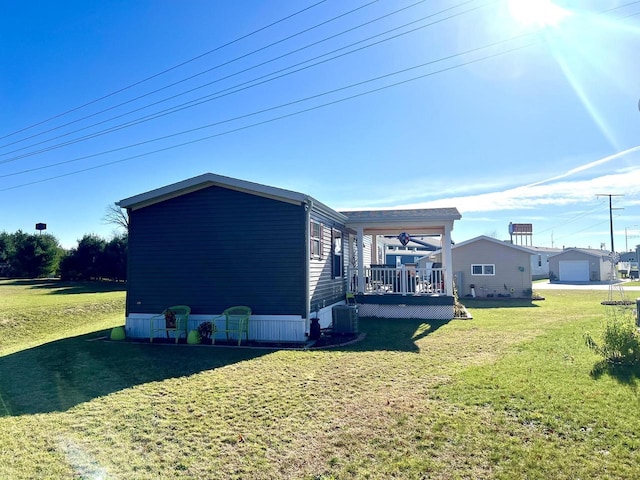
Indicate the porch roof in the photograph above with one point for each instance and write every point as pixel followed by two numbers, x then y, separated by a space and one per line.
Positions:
pixel 414 221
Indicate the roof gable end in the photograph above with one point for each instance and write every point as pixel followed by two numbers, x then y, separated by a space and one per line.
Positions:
pixel 494 241
pixel 205 181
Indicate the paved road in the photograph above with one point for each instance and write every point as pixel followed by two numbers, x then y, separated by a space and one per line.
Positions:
pixel 583 286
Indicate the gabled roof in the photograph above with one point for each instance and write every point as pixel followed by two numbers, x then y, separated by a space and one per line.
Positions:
pixel 493 240
pixel 587 251
pixel 209 180
pixel 537 250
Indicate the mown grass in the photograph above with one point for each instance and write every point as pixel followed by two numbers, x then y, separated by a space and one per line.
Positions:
pixel 513 393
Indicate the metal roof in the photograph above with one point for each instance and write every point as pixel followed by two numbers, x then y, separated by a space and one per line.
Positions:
pixel 502 243
pixel 415 221
pixel 209 180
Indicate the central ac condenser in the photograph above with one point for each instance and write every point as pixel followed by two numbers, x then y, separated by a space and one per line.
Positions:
pixel 345 319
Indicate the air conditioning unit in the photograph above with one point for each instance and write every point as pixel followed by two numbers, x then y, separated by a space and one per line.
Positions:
pixel 345 319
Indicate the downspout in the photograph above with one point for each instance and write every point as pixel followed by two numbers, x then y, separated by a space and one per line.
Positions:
pixel 308 206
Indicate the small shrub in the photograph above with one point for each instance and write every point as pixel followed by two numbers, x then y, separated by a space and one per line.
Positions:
pixel 205 330
pixel 620 341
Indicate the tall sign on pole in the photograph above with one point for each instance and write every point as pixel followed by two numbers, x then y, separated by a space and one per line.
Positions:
pixel 522 232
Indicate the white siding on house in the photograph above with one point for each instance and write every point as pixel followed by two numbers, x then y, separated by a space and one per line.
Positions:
pixel 262 328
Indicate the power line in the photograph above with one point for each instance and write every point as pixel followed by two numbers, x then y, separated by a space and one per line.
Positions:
pixel 244 85
pixel 572 219
pixel 263 111
pixel 207 98
pixel 218 80
pixel 628 4
pixel 188 78
pixel 171 147
pixel 167 70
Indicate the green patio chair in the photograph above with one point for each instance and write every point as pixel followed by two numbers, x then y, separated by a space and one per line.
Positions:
pixel 350 299
pixel 173 319
pixel 236 323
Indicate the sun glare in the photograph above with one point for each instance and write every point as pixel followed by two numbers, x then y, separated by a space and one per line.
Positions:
pixel 537 13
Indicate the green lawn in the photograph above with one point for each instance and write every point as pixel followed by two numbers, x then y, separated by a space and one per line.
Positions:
pixel 513 393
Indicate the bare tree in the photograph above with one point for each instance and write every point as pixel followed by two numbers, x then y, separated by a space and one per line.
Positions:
pixel 117 216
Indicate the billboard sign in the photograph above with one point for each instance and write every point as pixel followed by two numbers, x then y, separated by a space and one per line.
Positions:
pixel 520 229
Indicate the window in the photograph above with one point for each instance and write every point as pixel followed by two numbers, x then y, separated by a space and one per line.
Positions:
pixel 316 240
pixel 483 269
pixel 336 250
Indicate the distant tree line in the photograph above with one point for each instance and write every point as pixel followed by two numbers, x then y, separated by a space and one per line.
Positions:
pixel 40 255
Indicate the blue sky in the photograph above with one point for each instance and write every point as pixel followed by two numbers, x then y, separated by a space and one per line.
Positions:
pixel 510 110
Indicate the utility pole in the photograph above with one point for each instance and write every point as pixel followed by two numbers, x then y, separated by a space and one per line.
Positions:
pixel 610 215
pixel 626 243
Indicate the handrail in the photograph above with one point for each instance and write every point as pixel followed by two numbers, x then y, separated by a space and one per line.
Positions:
pixel 404 280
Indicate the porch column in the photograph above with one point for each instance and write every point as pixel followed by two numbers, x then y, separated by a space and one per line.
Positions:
pixel 446 261
pixel 374 249
pixel 360 232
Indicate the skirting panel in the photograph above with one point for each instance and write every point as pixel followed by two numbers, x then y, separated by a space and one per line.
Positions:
pixel 425 312
pixel 262 328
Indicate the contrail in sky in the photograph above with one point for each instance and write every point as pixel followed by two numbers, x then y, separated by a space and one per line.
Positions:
pixel 586 166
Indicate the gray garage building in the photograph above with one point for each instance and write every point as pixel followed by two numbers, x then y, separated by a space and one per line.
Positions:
pixel 581 265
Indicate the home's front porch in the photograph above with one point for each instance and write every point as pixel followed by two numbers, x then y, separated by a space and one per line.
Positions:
pixel 403 280
pixel 403 291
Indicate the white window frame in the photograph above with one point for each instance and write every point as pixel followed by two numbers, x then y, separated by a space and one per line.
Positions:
pixel 484 267
pixel 315 241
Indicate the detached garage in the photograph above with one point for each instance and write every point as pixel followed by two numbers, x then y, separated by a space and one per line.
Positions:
pixel 581 265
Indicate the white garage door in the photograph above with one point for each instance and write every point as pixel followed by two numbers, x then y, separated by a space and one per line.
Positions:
pixel 574 271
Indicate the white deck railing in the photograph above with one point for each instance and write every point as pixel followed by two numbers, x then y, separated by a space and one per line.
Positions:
pixel 404 280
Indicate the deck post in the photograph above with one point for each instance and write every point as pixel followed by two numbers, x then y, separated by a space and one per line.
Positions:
pixel 446 261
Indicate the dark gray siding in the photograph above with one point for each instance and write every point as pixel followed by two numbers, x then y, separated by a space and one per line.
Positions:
pixel 215 248
pixel 324 289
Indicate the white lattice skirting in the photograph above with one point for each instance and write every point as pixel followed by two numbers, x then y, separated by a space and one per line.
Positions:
pixel 424 312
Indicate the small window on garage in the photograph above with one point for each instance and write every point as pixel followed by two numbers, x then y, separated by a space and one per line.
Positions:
pixel 483 269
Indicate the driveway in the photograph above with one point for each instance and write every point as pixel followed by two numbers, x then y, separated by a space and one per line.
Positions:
pixel 583 286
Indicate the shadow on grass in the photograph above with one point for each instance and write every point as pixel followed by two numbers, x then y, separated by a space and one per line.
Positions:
pixel 59 287
pixel 59 375
pixel 624 374
pixel 472 303
pixel 394 334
